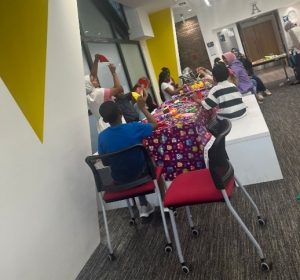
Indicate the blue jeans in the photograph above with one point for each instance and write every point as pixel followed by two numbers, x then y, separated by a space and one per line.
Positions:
pixel 260 87
pixel 254 82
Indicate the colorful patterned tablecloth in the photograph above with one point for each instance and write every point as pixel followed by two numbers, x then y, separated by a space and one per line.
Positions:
pixel 178 143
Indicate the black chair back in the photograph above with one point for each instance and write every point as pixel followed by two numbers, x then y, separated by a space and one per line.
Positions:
pixel 103 165
pixel 220 167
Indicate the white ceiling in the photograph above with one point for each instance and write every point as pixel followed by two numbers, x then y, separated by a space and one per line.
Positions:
pixel 180 7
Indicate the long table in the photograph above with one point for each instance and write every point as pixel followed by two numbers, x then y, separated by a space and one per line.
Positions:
pixel 250 147
pixel 281 57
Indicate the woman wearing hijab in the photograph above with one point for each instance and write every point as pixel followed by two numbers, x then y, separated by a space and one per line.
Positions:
pixel 244 83
pixel 261 88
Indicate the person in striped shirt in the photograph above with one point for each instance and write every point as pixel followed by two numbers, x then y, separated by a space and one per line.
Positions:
pixel 225 95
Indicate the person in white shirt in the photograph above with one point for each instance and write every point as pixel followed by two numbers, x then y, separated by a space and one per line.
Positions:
pixel 294 32
pixel 97 95
pixel 167 87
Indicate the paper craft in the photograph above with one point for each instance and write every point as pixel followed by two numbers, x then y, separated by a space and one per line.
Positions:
pixel 144 82
pixel 135 95
pixel 102 58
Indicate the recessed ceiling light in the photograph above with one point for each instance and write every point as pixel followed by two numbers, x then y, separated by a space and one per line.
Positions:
pixel 207 3
pixel 189 10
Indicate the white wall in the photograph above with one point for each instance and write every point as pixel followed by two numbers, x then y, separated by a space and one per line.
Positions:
pixel 48 211
pixel 283 12
pixel 139 24
pixel 225 13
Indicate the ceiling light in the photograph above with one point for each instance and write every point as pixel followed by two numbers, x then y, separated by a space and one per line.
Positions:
pixel 207 3
pixel 189 10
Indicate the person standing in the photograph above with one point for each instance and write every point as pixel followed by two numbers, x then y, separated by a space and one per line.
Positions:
pixel 96 95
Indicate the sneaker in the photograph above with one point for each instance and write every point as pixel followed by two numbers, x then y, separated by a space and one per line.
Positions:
pixel 259 97
pixel 146 211
pixel 267 92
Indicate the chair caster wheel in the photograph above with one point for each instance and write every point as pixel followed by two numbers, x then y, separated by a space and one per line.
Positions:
pixel 185 269
pixel 132 222
pixel 168 248
pixel 195 232
pixel 261 222
pixel 111 257
pixel 264 266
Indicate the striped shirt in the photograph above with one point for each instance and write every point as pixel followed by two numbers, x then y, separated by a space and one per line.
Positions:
pixel 227 97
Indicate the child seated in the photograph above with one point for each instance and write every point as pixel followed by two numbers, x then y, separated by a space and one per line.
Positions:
pixel 120 136
pixel 225 95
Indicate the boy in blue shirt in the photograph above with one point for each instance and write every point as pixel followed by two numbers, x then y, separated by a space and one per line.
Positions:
pixel 120 136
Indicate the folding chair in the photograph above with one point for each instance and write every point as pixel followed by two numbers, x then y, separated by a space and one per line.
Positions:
pixel 110 191
pixel 213 184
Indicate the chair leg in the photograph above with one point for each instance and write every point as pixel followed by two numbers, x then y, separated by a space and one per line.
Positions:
pixel 249 234
pixel 111 252
pixel 260 220
pixel 132 219
pixel 195 232
pixel 177 242
pixel 168 246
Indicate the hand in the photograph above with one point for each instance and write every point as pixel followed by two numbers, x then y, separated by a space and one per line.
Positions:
pixel 112 68
pixel 200 71
pixel 196 99
pixel 141 103
pixel 97 56
pixel 145 94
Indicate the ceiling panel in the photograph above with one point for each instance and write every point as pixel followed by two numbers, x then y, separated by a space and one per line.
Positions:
pixel 149 6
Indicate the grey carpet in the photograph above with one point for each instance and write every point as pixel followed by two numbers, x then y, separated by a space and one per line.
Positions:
pixel 222 251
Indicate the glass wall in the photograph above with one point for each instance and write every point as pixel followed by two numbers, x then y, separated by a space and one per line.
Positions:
pixel 227 39
pixel 134 62
pixel 92 21
pixel 110 51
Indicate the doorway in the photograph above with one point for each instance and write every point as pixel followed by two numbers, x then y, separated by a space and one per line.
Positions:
pixel 261 36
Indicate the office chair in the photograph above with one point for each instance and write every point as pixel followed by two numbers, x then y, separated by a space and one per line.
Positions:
pixel 213 184
pixel 110 191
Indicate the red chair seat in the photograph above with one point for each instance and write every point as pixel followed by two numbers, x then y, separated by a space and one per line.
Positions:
pixel 146 188
pixel 195 187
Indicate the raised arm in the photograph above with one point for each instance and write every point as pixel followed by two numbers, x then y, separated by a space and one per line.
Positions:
pixel 144 93
pixel 117 87
pixel 142 106
pixel 94 70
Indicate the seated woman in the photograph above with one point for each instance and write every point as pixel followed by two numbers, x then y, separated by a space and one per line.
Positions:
pixel 167 88
pixel 245 84
pixel 224 95
pixel 261 88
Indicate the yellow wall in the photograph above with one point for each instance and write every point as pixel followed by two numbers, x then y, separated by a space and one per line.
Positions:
pixel 162 47
pixel 23 56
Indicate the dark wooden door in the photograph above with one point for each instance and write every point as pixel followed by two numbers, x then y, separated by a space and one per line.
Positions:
pixel 260 40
